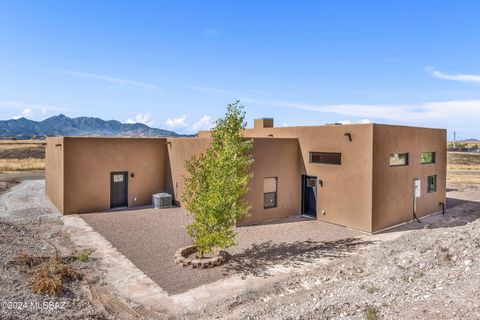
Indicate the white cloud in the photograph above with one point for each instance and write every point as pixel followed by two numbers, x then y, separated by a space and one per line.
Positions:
pixel 44 111
pixel 437 113
pixel 365 121
pixel 119 81
pixel 27 113
pixel 422 112
pixel 204 123
pixel 362 121
pixel 176 123
pixel 454 77
pixel 145 118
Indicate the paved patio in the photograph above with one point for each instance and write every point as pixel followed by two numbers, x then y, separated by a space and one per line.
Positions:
pixel 149 238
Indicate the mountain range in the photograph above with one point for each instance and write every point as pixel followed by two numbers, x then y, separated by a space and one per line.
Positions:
pixel 62 125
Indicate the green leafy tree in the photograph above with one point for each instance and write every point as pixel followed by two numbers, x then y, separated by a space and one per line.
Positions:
pixel 216 183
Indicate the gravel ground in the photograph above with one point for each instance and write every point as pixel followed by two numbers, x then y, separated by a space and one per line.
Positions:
pixel 150 237
pixel 428 273
pixel 16 295
pixel 23 229
pixel 27 219
pixel 4 185
pixel 431 273
pixel 26 201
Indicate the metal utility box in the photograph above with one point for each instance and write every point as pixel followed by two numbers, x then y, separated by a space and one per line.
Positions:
pixel 162 200
pixel 417 187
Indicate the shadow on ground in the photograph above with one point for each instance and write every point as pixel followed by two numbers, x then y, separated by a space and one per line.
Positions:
pixel 454 202
pixel 289 219
pixel 258 258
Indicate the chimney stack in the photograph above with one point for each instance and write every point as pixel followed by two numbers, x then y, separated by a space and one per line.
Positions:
pixel 263 123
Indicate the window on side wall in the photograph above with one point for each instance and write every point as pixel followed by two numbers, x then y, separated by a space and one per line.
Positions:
pixel 270 192
pixel 427 157
pixel 431 183
pixel 326 157
pixel 398 159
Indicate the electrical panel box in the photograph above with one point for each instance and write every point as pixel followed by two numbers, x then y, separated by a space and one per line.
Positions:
pixel 417 187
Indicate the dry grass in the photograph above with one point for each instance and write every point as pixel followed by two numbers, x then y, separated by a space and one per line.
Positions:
pixel 22 141
pixel 22 155
pixel 47 275
pixel 28 164
pixel 463 161
pixel 475 167
pixel 22 149
pixel 463 178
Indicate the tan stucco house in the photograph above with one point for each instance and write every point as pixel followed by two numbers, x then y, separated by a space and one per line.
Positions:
pixel 363 176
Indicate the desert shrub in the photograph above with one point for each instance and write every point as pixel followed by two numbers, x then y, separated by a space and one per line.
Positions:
pixel 84 255
pixel 372 313
pixel 48 277
pixel 44 283
pixel 46 274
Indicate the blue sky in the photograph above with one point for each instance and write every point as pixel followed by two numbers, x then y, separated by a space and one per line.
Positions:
pixel 176 64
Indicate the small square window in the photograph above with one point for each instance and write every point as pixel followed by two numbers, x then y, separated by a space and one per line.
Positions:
pixel 270 192
pixel 398 159
pixel 427 157
pixel 431 184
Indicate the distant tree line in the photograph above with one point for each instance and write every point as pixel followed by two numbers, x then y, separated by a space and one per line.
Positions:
pixel 463 147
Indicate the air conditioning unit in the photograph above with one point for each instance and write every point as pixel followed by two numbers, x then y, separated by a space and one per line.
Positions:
pixel 162 200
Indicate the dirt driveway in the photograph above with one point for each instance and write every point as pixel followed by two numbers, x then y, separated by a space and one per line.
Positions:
pixel 150 237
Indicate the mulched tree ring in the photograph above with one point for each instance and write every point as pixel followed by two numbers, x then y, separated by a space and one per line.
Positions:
pixel 183 257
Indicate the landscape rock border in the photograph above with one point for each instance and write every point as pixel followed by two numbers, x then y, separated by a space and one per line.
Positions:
pixel 182 254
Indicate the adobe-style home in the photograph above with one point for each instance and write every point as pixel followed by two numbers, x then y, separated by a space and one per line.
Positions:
pixel 364 176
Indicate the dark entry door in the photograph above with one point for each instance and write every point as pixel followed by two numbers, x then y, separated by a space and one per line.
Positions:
pixel 118 189
pixel 309 195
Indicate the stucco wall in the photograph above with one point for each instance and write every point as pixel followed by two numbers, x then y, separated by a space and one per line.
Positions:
pixel 54 171
pixel 89 161
pixel 274 158
pixel 364 192
pixel 180 150
pixel 346 194
pixel 393 186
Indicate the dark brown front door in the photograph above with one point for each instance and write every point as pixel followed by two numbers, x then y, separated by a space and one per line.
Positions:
pixel 309 196
pixel 118 189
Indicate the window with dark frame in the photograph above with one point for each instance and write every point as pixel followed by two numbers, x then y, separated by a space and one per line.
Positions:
pixel 326 158
pixel 427 157
pixel 432 183
pixel 270 192
pixel 398 159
